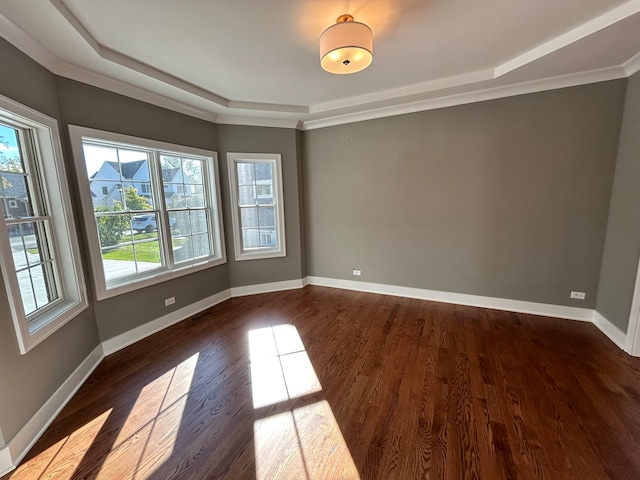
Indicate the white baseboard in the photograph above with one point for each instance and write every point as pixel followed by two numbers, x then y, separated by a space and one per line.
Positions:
pixel 572 313
pixel 22 442
pixel 125 339
pixel 616 335
pixel 267 287
pixel 6 462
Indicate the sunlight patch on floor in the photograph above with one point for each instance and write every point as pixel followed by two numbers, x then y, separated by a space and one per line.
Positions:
pixel 152 426
pixel 280 367
pixel 63 451
pixel 305 443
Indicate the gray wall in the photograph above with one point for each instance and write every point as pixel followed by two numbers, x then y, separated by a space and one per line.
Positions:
pixel 92 107
pixel 27 381
pixel 233 138
pixel 622 246
pixel 505 198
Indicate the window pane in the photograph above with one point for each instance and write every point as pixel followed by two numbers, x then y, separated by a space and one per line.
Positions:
pixel 19 239
pixel 201 245
pixel 172 198
pixel 195 196
pixel 192 171
pixel 26 291
pixel 34 270
pixel 246 173
pixel 199 222
pixel 111 227
pixel 191 247
pixel 10 157
pixel 118 177
pixel 247 195
pixel 263 190
pixel 267 238
pixel 182 224
pixel 14 189
pixel 249 217
pixel 40 286
pixel 137 248
pixel 264 171
pixel 250 238
pixel 135 197
pixel 267 216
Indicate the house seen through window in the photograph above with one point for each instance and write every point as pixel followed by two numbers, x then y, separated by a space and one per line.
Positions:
pixel 38 243
pixel 155 208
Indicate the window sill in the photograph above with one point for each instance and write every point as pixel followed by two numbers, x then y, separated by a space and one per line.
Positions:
pixel 259 255
pixel 46 324
pixel 130 284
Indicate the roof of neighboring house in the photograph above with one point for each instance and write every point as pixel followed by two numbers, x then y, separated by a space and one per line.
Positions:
pixel 127 170
pixel 169 173
pixel 15 186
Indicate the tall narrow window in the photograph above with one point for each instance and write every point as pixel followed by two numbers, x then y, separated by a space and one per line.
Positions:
pixel 258 213
pixel 161 216
pixel 38 241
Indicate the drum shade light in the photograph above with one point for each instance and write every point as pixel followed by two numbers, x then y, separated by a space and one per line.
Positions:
pixel 346 47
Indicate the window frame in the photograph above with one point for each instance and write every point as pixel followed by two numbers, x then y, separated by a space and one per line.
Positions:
pixel 275 159
pixel 171 270
pixel 50 185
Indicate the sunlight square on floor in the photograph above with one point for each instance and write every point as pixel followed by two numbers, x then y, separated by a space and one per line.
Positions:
pixel 280 367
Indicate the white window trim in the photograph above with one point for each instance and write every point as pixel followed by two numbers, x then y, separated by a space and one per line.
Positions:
pixel 276 160
pixel 56 191
pixel 102 291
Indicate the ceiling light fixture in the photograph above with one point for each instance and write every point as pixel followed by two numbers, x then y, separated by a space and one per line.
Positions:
pixel 346 47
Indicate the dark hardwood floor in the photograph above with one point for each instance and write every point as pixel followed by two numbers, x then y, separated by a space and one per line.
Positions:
pixel 374 387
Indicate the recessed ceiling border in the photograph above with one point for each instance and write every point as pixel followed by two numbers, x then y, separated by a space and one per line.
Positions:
pixel 225 111
pixel 157 74
pixel 523 88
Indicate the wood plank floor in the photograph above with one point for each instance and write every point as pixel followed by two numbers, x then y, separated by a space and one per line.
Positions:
pixel 322 383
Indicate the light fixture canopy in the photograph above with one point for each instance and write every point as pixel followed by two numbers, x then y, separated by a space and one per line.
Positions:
pixel 346 47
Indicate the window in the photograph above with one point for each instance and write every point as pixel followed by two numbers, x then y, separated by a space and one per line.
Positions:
pixel 146 230
pixel 258 207
pixel 105 190
pixel 38 242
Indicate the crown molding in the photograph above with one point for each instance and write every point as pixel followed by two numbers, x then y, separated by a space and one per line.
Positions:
pixel 632 65
pixel 586 29
pixel 257 121
pixel 15 35
pixel 523 88
pixel 73 72
pixel 416 89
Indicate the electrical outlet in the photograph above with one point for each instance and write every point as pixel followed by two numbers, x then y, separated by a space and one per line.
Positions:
pixel 357 273
pixel 577 295
pixel 169 301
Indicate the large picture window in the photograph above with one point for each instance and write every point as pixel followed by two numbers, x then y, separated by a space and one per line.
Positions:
pixel 154 208
pixel 38 242
pixel 258 213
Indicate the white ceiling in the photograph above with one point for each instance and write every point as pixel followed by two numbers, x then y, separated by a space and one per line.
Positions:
pixel 257 61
